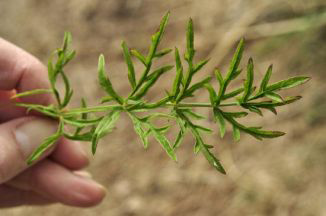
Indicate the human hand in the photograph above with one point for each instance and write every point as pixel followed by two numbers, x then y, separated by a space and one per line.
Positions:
pixel 54 178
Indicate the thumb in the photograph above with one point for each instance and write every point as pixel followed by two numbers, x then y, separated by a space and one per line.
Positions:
pixel 18 140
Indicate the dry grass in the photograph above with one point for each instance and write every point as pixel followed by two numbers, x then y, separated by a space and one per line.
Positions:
pixel 285 176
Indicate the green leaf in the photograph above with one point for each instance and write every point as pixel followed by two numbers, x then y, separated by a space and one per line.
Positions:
pixel 235 62
pixel 272 109
pixel 219 118
pixel 205 150
pixel 84 105
pixel 179 139
pixel 200 65
pixel 219 77
pixel 274 96
pixel 159 72
pixel 288 100
pixel 163 141
pixel 164 129
pixel 213 160
pixel 156 38
pixel 197 146
pixel 233 93
pixel 163 25
pixel 157 104
pixel 51 72
pixel 64 50
pixel 46 144
pixel 212 93
pixel 203 147
pixel 255 110
pixel 81 123
pixel 162 53
pixel 196 86
pixel 266 134
pixel 68 90
pixel 84 116
pixel 267 104
pixel 139 130
pixel 106 99
pixel 253 131
pixel 104 126
pixel 70 56
pixel 205 129
pixel 236 133
pixel 139 56
pixel 289 83
pixel 152 78
pixel 192 114
pixel 47 110
pixel 179 75
pixel 190 52
pixel 236 114
pixel 131 70
pixel 66 41
pixel 249 81
pixel 266 79
pixel 235 75
pixel 32 92
pixel 87 137
pixel 105 82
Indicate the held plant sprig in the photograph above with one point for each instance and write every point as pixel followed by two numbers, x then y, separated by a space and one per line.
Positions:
pixel 89 127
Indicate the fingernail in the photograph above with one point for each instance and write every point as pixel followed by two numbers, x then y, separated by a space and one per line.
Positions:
pixel 31 133
pixel 89 192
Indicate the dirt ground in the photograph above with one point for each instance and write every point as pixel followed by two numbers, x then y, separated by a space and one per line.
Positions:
pixel 283 176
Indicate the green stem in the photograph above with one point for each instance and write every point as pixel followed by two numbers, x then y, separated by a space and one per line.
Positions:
pixel 92 109
pixel 189 105
pixel 111 107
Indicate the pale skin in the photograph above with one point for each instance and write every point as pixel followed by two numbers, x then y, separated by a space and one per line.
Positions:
pixel 57 177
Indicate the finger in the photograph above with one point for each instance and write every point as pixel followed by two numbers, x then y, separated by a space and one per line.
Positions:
pixel 11 197
pixel 70 154
pixel 18 139
pixel 21 71
pixel 83 173
pixel 8 110
pixel 58 183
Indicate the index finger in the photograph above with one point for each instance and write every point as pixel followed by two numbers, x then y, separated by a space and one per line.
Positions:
pixel 21 71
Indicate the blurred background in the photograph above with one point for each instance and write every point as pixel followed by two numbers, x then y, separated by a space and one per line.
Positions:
pixel 284 176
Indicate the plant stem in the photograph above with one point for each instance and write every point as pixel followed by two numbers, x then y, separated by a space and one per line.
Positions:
pixel 116 106
pixel 190 105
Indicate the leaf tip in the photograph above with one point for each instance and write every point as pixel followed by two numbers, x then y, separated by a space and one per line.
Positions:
pixel 94 148
pixel 307 79
pixel 242 41
pixel 30 161
pixel 101 59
